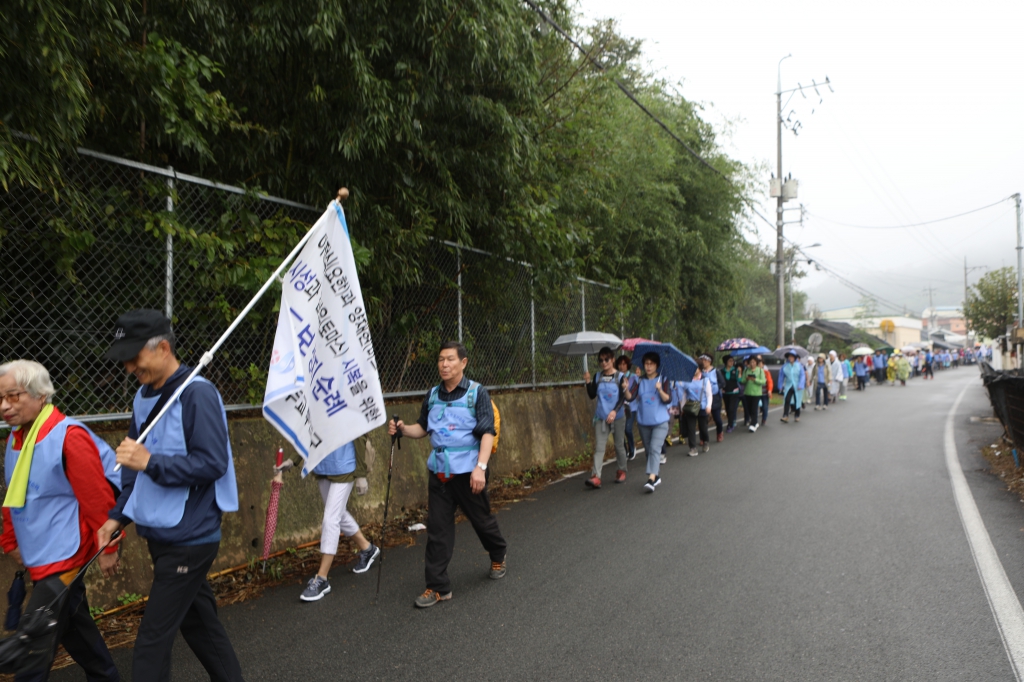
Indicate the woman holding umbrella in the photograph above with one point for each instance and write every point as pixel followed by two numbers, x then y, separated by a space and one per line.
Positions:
pixel 652 416
pixel 731 390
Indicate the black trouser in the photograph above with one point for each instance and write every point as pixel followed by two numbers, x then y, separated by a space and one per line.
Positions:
pixel 821 395
pixel 860 382
pixel 732 403
pixel 716 412
pixel 181 599
pixel 694 425
pixel 442 499
pixel 766 400
pixel 880 375
pixel 75 629
pixel 751 404
pixel 790 400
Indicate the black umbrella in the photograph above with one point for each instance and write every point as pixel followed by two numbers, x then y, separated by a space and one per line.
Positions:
pixel 37 624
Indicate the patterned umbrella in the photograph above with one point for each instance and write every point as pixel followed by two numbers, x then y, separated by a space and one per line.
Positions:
pixel 275 496
pixel 747 352
pixel 630 344
pixel 737 344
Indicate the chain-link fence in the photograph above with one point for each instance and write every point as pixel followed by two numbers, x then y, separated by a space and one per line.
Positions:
pixel 124 235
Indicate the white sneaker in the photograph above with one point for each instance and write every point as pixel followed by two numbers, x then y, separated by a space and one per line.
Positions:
pixel 707 447
pixel 755 427
pixel 664 459
pixel 751 428
pixel 693 453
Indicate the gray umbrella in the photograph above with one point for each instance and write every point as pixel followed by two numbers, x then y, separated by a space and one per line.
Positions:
pixel 584 343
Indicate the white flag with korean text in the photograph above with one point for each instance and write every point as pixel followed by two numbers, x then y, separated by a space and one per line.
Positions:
pixel 323 388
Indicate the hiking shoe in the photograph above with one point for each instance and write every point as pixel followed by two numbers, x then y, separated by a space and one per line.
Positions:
pixel 693 452
pixel 620 476
pixel 429 598
pixel 498 570
pixel 592 482
pixel 784 420
pixel 651 485
pixel 664 459
pixel 797 419
pixel 316 588
pixel 631 456
pixel 706 447
pixel 721 437
pixel 366 559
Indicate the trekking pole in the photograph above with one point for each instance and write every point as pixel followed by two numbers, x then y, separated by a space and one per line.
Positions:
pixel 397 438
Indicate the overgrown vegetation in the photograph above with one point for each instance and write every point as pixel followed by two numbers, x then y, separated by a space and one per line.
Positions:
pixel 465 120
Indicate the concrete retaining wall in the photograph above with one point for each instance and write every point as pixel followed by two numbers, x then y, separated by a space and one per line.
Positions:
pixel 537 428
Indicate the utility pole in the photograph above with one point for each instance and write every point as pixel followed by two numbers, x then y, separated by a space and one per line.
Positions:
pixel 967 326
pixel 1020 277
pixel 780 300
pixel 785 191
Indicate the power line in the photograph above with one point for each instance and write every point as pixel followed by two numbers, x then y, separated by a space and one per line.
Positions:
pixel 899 227
pixel 626 91
pixel 835 275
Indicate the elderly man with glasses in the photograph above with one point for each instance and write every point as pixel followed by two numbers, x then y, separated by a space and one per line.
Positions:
pixel 60 486
pixel 609 387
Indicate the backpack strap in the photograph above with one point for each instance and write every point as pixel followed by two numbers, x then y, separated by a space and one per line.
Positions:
pixel 471 397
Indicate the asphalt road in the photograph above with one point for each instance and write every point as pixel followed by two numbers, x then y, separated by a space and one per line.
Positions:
pixel 831 549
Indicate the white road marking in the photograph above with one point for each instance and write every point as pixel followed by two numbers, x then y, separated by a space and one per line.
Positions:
pixel 1006 608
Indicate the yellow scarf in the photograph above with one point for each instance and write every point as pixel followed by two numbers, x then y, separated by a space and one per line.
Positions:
pixel 19 479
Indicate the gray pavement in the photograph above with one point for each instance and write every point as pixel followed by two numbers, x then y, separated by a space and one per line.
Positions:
pixel 826 550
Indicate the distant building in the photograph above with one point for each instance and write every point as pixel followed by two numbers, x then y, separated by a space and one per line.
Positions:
pixel 948 318
pixel 896 331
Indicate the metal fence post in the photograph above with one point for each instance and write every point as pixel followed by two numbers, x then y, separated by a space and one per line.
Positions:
pixel 583 310
pixel 458 264
pixel 533 338
pixel 169 303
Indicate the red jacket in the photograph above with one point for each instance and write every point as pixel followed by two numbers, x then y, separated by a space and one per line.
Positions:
pixel 84 470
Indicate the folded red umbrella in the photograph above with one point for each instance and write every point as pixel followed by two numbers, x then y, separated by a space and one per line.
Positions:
pixel 630 344
pixel 275 496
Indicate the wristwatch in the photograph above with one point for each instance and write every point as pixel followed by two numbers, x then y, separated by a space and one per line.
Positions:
pixel 483 467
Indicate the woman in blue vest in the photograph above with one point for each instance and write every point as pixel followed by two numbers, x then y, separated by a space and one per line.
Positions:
pixel 652 416
pixel 622 365
pixel 608 387
pixel 716 380
pixel 60 486
pixel 337 475
pixel 794 380
pixel 176 486
pixel 458 417
pixel 694 400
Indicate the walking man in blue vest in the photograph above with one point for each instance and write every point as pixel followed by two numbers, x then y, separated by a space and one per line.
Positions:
pixel 60 486
pixel 175 487
pixel 458 417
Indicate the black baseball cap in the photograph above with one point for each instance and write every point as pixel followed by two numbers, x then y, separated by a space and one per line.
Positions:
pixel 133 330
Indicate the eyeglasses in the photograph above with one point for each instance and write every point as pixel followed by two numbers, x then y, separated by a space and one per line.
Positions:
pixel 605 359
pixel 12 398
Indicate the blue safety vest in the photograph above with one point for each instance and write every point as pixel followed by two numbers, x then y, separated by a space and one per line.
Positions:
pixel 47 526
pixel 451 425
pixel 652 411
pixel 608 396
pixel 712 376
pixel 162 506
pixel 340 462
pixel 634 404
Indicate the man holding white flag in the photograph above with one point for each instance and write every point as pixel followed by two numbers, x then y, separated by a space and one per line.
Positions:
pixel 323 388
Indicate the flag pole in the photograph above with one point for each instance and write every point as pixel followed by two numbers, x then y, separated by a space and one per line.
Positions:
pixel 207 357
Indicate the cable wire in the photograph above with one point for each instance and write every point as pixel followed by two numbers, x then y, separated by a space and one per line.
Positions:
pixel 626 91
pixel 899 227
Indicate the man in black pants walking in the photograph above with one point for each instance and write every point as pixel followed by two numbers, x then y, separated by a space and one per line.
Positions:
pixel 458 417
pixel 175 494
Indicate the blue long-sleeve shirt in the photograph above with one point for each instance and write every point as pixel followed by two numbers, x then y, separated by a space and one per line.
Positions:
pixel 206 438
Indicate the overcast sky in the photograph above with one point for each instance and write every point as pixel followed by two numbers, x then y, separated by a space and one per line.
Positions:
pixel 927 121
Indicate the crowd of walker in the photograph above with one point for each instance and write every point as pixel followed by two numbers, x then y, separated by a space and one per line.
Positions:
pixel 69 494
pixel 642 398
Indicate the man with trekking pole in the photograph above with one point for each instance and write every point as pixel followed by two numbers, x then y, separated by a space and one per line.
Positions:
pixel 458 417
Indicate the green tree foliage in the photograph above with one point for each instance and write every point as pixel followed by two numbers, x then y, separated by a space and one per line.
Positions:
pixel 462 120
pixel 992 303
